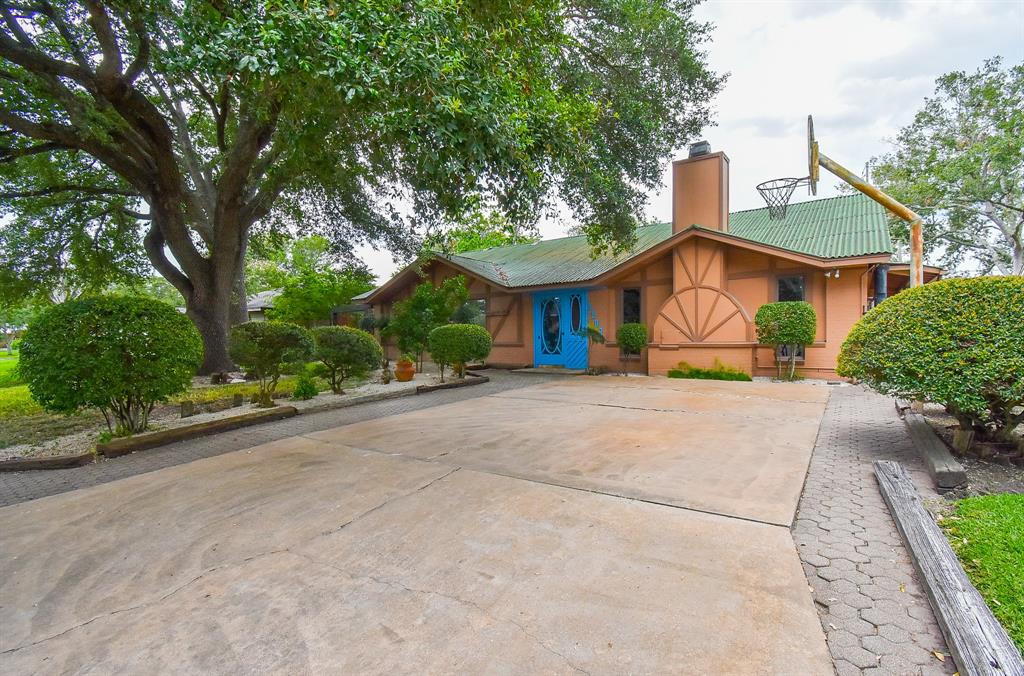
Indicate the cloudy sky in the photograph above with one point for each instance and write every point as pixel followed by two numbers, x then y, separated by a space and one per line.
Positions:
pixel 861 67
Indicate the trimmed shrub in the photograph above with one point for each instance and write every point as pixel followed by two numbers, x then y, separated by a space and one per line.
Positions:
pixel 632 338
pixel 458 344
pixel 305 386
pixel 345 352
pixel 789 323
pixel 120 354
pixel 719 372
pixel 956 342
pixel 265 348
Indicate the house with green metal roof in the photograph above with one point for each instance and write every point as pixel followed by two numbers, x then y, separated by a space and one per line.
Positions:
pixel 695 283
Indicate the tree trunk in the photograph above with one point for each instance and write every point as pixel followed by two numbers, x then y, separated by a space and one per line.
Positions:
pixel 211 318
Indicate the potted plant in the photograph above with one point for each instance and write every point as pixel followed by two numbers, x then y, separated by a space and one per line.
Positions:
pixel 404 368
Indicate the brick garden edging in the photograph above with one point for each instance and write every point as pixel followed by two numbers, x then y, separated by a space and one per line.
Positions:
pixel 148 440
pixel 978 642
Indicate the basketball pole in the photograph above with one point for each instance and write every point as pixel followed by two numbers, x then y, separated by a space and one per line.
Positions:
pixel 890 203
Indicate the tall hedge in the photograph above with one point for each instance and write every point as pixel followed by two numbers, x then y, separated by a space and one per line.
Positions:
pixel 459 344
pixel 120 354
pixel 345 352
pixel 789 323
pixel 264 348
pixel 957 342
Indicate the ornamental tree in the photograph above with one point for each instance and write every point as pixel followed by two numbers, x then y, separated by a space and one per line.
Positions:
pixel 632 339
pixel 956 342
pixel 345 352
pixel 789 324
pixel 265 348
pixel 428 307
pixel 176 127
pixel 120 354
pixel 457 345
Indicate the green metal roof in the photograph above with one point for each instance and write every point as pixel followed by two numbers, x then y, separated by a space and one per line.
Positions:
pixel 836 227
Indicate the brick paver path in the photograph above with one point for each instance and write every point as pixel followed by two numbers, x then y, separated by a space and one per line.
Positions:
pixel 21 486
pixel 873 609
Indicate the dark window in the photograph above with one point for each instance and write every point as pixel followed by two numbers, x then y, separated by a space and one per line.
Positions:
pixel 791 288
pixel 576 314
pixel 631 306
pixel 782 353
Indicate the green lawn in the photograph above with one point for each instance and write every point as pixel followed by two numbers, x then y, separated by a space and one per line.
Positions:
pixel 987 533
pixel 9 371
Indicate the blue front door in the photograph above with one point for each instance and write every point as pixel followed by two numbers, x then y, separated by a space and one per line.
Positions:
pixel 559 317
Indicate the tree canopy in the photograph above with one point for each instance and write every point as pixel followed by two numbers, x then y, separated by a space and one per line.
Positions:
pixel 310 297
pixel 481 230
pixel 960 164
pixel 177 126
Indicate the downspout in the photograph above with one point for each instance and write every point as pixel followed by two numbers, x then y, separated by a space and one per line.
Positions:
pixel 881 283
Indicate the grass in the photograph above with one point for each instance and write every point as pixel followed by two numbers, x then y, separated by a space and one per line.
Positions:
pixel 9 376
pixel 987 534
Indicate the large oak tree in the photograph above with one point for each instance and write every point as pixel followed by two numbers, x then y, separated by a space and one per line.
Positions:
pixel 184 124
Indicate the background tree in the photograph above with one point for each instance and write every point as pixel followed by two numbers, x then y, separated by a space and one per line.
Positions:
pixel 310 297
pixel 14 319
pixel 428 307
pixel 481 230
pixel 195 120
pixel 960 164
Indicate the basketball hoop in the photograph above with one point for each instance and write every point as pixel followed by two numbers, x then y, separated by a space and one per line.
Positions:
pixel 776 194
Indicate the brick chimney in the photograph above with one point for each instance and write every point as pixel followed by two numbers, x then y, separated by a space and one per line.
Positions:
pixel 700 189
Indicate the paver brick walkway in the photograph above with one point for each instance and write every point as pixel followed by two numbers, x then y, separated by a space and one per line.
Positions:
pixel 873 609
pixel 18 487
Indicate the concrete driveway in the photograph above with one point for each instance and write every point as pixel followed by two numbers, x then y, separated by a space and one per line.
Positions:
pixel 601 525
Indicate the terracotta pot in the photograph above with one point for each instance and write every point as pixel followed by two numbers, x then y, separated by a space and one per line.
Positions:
pixel 404 371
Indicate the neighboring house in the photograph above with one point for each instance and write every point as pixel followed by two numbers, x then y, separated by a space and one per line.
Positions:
pixel 696 282
pixel 259 303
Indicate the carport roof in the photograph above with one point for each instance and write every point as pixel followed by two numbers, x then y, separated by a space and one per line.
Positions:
pixel 832 228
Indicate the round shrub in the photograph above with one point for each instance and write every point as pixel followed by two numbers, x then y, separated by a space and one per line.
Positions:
pixel 957 342
pixel 789 323
pixel 632 338
pixel 305 386
pixel 265 348
pixel 120 354
pixel 345 352
pixel 458 344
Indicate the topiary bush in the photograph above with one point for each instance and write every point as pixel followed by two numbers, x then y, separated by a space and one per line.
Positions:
pixel 305 386
pixel 120 354
pixel 345 352
pixel 957 342
pixel 265 348
pixel 632 339
pixel 458 344
pixel 789 323
pixel 719 372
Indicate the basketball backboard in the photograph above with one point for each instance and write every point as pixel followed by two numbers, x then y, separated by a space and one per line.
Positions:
pixel 812 157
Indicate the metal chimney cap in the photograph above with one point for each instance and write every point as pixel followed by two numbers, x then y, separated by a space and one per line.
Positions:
pixel 700 148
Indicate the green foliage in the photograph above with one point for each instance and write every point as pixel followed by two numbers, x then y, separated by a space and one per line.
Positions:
pixel 345 352
pixel 719 372
pixel 428 307
pixel 632 338
pixel 987 534
pixel 305 386
pixel 367 322
pixel 960 165
pixel 264 348
pixel 480 230
pixel 459 344
pixel 311 296
pixel 120 354
pixel 216 117
pixel 788 323
pixel 9 373
pixel 592 332
pixel 14 318
pixel 470 312
pixel 957 342
pixel 17 401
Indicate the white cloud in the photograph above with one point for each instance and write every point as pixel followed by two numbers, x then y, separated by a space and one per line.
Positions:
pixel 862 68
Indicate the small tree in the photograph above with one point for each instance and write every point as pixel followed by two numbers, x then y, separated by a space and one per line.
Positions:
pixel 120 354
pixel 345 352
pixel 632 339
pixel 458 344
pixel 957 342
pixel 310 297
pixel 263 348
pixel 787 323
pixel 414 318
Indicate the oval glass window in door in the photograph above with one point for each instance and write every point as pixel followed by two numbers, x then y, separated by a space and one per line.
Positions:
pixel 552 326
pixel 576 314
